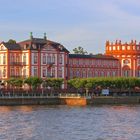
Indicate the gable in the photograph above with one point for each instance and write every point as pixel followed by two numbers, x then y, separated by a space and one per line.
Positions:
pixel 2 47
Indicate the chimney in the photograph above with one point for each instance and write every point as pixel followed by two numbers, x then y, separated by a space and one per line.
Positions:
pixel 31 35
pixel 45 38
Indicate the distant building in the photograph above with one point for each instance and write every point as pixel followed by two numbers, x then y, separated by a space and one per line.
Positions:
pixel 128 55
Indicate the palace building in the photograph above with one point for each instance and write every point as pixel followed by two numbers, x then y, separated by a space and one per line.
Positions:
pixel 128 55
pixel 44 58
pixel 84 66
pixel 33 57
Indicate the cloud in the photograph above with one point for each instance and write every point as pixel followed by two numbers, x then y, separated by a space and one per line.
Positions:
pixel 73 23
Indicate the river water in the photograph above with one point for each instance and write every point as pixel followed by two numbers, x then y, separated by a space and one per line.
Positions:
pixel 70 123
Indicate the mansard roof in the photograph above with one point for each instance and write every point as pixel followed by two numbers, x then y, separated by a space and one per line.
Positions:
pixel 39 42
pixel 97 56
pixel 11 46
pixel 35 41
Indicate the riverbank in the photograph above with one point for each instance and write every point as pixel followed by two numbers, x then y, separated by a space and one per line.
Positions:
pixel 72 101
pixel 75 101
pixel 114 100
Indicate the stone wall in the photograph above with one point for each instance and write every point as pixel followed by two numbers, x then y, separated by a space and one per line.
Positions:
pixel 42 101
pixel 114 100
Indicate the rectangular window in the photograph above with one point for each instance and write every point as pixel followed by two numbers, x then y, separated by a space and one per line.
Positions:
pixel 60 72
pixel 53 72
pixel 48 72
pixel 4 59
pixel 44 59
pixel 53 59
pixel 12 58
pixel 113 73
pixel 35 58
pixel 35 72
pixel 71 72
pixel 96 74
pixel 108 74
pixel 48 59
pixel 89 73
pixel 17 58
pixel 24 59
pixel 60 59
pixel 44 73
pixel 138 73
pixel 24 72
pixel 12 72
pixel 4 72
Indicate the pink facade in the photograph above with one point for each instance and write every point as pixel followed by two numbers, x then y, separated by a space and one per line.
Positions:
pixel 44 58
pixel 84 66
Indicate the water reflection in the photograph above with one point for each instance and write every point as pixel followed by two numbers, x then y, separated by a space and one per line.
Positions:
pixel 70 123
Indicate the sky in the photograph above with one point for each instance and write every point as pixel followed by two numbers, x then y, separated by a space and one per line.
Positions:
pixel 73 23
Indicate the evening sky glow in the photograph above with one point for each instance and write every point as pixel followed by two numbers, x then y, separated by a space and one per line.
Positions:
pixel 73 23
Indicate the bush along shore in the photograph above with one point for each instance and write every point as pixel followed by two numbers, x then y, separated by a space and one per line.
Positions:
pixel 83 86
pixel 49 91
pixel 116 85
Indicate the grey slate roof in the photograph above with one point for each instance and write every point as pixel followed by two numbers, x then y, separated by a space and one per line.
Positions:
pixel 11 46
pixel 98 56
pixel 42 42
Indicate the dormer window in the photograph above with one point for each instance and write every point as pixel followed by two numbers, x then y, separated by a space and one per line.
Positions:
pixel 61 47
pixel 26 46
pixel 34 46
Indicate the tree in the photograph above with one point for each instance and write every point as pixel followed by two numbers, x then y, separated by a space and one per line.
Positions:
pixel 11 41
pixel 79 50
pixel 18 82
pixel 88 85
pixel 15 82
pixel 54 83
pixel 77 83
pixel 11 83
pixel 33 82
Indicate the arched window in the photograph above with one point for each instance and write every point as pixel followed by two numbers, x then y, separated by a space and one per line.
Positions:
pixel 126 61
